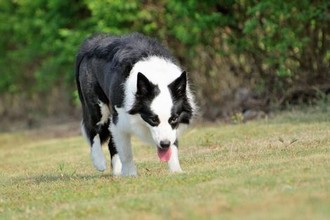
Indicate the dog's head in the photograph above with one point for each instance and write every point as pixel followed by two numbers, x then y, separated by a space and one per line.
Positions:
pixel 163 108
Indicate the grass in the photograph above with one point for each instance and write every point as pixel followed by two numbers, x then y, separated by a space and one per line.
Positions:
pixel 271 169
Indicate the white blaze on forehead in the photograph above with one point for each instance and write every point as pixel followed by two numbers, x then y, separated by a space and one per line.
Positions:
pixel 158 70
pixel 162 104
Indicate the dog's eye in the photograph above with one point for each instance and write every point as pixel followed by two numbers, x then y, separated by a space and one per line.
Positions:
pixel 153 121
pixel 173 119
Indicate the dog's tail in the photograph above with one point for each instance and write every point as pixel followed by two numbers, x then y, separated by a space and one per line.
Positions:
pixel 79 58
pixel 85 51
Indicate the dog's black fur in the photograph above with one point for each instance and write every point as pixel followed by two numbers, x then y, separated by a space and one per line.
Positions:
pixel 131 85
pixel 103 63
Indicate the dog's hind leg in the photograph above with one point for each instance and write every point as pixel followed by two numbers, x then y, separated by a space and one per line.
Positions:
pixel 97 155
pixel 96 112
pixel 95 141
pixel 173 163
pixel 95 128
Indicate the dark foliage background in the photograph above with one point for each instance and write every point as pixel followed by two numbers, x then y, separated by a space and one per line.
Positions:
pixel 240 53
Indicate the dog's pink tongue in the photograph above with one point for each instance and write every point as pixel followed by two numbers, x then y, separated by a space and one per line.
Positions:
pixel 164 154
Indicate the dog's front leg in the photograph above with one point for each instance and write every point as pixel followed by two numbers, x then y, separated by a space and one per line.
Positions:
pixel 123 143
pixel 173 163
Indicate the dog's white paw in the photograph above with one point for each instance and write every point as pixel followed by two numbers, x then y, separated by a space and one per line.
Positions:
pixel 100 165
pixel 99 161
pixel 128 169
pixel 173 163
pixel 116 165
pixel 98 157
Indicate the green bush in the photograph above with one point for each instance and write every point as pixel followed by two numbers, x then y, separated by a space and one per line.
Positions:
pixel 270 46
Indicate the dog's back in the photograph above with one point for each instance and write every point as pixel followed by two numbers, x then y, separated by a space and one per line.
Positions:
pixel 116 56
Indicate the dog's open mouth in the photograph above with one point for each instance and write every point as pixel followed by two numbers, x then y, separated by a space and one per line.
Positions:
pixel 164 154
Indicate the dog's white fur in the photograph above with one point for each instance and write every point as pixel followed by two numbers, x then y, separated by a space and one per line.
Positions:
pixel 129 124
pixel 97 155
pixel 167 72
pixel 131 85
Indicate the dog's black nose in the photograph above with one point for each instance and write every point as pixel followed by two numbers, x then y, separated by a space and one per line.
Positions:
pixel 165 144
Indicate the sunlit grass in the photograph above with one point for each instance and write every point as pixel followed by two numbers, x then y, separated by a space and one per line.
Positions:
pixel 272 169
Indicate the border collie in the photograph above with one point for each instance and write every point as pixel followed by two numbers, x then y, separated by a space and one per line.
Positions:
pixel 131 85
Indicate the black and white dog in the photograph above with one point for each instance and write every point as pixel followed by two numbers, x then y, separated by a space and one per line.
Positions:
pixel 131 85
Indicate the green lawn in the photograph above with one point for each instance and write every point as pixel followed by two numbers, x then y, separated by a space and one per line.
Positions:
pixel 270 169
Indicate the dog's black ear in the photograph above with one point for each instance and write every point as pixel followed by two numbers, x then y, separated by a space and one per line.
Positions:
pixel 178 86
pixel 145 93
pixel 144 86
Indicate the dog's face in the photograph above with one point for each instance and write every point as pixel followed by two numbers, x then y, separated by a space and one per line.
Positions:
pixel 163 108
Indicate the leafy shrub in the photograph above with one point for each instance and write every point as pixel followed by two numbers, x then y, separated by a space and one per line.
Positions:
pixel 269 46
